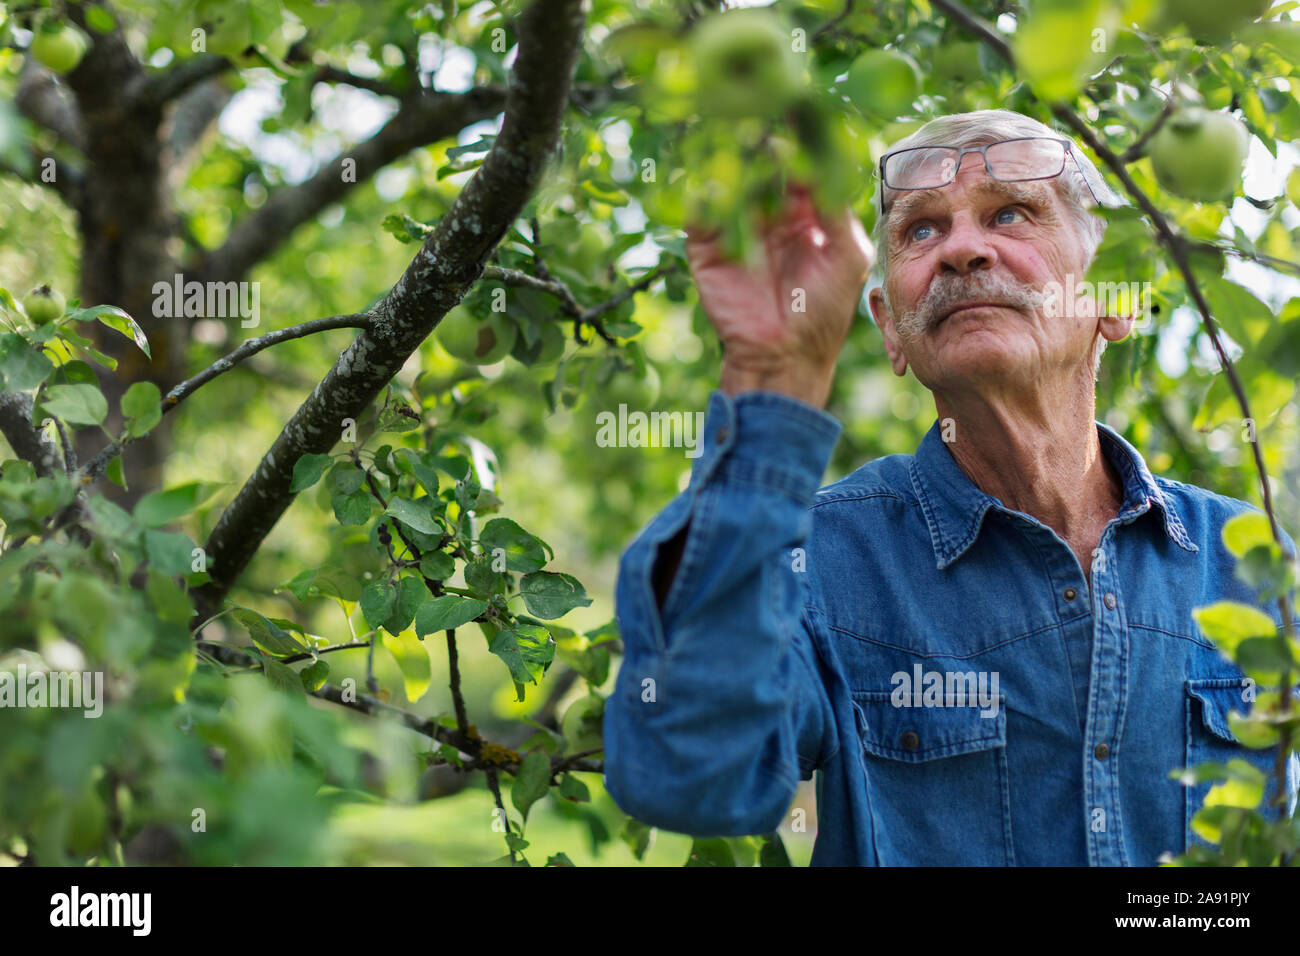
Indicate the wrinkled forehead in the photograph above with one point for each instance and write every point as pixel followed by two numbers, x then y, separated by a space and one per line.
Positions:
pixel 972 181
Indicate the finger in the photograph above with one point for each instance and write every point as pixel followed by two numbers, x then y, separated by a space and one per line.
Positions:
pixel 845 230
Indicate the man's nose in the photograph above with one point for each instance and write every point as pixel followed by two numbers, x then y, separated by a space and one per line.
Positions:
pixel 965 248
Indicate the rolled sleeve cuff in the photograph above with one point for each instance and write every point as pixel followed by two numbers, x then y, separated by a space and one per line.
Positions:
pixel 768 440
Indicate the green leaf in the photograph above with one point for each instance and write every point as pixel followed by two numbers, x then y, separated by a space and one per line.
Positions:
pixel 21 366
pixel 773 852
pixel 446 612
pixel 550 595
pixel 269 637
pixel 327 580
pixel 437 565
pixel 100 20
pixel 1242 315
pixel 412 658
pixel 711 852
pixel 160 507
pixel 1228 623
pixel 414 514
pixel 411 593
pixel 1265 658
pixel 282 677
pixel 351 508
pixel 142 408
pixel 480 578
pixel 1252 730
pixel 1245 531
pixel 168 552
pixel 533 781
pixel 345 478
pixel 307 470
pixel 573 789
pixel 527 651
pixel 377 601
pixel 637 836
pixel 523 551
pixel 118 321
pixel 76 404
pixel 558 859
pixel 313 678
pixel 1245 789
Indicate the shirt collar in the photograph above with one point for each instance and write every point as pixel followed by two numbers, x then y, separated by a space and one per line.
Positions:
pixel 954 507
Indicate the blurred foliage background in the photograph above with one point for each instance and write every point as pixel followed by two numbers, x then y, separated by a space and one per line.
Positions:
pixel 603 225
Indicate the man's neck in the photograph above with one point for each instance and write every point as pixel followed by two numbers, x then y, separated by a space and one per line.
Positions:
pixel 1038 453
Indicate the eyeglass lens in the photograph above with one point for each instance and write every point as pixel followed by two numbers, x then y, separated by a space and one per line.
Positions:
pixel 928 167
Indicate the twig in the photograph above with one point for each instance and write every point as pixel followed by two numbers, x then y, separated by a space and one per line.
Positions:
pixel 495 787
pixel 94 469
pixel 569 303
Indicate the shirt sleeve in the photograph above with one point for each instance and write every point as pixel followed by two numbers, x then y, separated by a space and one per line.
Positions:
pixel 719 707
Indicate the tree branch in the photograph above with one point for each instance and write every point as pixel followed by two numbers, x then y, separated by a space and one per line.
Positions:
pixel 95 468
pixel 472 746
pixel 169 84
pixel 422 118
pixel 568 302
pixel 48 103
pixel 448 262
pixel 28 442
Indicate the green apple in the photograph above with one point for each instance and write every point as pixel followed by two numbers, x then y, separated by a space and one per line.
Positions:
pixel 43 304
pixel 883 83
pixel 581 725
pixel 1198 154
pixel 957 62
pixel 744 64
pixel 59 48
pixel 1213 19
pixel 477 342
pixel 87 819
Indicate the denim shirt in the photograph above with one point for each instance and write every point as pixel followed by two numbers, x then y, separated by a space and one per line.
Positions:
pixel 846 632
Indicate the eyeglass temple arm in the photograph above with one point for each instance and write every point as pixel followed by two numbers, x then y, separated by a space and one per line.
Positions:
pixel 1083 176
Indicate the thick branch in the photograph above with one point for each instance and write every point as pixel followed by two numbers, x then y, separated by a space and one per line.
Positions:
pixel 48 103
pixel 448 262
pixel 174 82
pixel 422 119
pixel 27 441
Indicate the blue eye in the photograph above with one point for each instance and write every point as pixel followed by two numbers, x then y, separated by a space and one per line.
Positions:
pixel 1009 210
pixel 917 228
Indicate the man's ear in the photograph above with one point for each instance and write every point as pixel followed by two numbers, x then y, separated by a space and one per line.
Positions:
pixel 884 317
pixel 1115 327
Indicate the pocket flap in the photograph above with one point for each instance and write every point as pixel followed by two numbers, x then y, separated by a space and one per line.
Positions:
pixel 918 734
pixel 1218 696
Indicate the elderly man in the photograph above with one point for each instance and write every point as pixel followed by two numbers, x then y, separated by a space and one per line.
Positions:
pixel 985 650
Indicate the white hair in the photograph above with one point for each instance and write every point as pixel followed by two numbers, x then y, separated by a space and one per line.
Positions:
pixel 981 127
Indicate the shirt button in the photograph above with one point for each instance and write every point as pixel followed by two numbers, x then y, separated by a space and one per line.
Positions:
pixel 1110 600
pixel 722 435
pixel 1071 594
pixel 1101 752
pixel 911 741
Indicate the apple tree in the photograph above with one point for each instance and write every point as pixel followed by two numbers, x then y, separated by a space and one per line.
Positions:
pixel 266 538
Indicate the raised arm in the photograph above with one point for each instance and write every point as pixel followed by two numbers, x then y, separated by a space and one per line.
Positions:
pixel 720 705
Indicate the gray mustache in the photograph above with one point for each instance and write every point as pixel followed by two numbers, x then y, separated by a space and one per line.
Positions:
pixel 947 292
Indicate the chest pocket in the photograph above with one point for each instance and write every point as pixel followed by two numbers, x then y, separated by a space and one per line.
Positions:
pixel 1210 739
pixel 937 782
